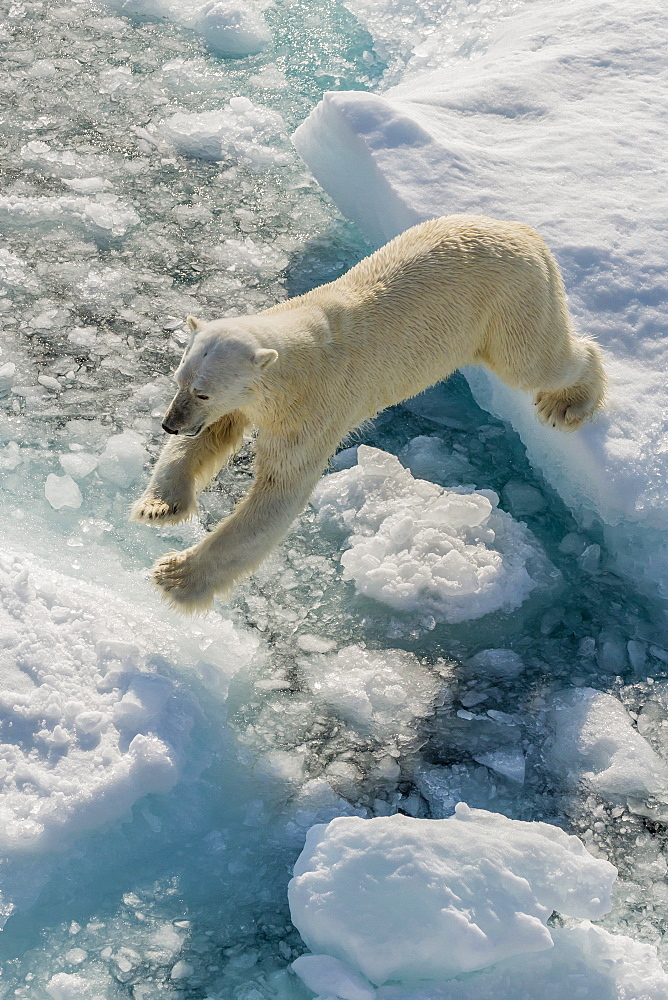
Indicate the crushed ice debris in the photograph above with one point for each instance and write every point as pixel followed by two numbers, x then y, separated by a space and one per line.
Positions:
pixel 106 214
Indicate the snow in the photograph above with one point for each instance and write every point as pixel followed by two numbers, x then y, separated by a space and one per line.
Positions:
pixel 406 899
pixel 90 725
pixel 416 546
pixel 586 962
pixel 594 741
pixel 497 120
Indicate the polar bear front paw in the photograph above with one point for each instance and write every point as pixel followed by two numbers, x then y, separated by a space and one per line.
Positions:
pixel 151 508
pixel 184 581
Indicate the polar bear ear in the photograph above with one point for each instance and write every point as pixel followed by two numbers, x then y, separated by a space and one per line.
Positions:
pixel 265 357
pixel 194 324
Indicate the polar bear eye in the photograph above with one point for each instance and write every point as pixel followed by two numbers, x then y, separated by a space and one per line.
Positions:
pixel 201 397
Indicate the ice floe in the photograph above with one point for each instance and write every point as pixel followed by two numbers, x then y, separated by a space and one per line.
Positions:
pixel 406 899
pixel 417 547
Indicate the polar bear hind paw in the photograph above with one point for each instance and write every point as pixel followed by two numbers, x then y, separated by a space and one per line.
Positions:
pixel 564 411
pixel 154 510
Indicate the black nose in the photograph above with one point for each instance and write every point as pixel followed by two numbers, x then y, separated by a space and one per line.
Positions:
pixel 170 430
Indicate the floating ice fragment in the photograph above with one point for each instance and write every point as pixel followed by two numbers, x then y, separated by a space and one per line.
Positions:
pixel 123 459
pixel 62 491
pixel 182 970
pixel 522 498
pixel 78 464
pixel 587 962
pixel 507 762
pixel 49 383
pixel 14 273
pixel 116 78
pixel 69 986
pixel 379 693
pixel 412 899
pixel 232 28
pixel 10 455
pixel 7 373
pixel 503 662
pixel 594 741
pixel 416 546
pixel 314 643
pixel 429 458
pixel 242 132
pixel 106 214
pixel 87 185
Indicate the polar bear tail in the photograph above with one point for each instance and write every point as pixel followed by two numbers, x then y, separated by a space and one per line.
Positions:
pixel 568 406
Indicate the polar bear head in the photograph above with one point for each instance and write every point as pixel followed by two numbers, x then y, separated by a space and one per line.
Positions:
pixel 222 363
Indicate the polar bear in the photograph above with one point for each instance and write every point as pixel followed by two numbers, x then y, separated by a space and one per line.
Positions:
pixel 459 290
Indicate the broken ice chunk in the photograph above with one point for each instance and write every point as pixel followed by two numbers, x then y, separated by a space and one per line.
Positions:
pixel 419 547
pixel 326 975
pixel 232 28
pixel 406 899
pixel 243 132
pixel 78 464
pixel 123 458
pixel 62 491
pixel 7 373
pixel 594 742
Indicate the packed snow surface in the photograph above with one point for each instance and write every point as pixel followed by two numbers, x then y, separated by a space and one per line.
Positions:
pixel 418 547
pixel 406 899
pixel 552 116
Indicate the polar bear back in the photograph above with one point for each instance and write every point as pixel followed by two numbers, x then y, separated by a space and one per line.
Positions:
pixel 450 292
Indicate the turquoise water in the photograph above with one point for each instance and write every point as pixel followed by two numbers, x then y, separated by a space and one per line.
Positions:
pixel 187 897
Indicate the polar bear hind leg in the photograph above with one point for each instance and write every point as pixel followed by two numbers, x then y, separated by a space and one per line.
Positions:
pixel 567 407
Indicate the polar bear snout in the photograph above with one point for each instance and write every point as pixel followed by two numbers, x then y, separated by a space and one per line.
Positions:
pixel 184 416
